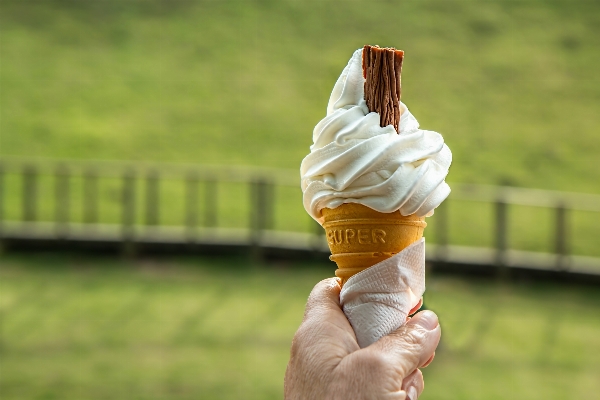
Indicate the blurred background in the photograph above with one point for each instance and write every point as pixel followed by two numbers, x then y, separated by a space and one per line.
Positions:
pixel 154 243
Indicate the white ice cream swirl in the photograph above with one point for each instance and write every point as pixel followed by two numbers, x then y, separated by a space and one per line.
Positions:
pixel 354 160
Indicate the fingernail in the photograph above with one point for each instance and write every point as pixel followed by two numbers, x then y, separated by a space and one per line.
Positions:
pixel 411 393
pixel 427 319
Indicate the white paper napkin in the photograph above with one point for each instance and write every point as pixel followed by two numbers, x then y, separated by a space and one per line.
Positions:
pixel 377 300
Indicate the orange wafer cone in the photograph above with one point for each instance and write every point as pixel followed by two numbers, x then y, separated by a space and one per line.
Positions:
pixel 360 237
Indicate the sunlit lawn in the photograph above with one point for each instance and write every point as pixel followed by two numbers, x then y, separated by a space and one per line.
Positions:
pixel 83 328
pixel 512 85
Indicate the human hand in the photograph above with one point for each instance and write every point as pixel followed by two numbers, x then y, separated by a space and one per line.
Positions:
pixel 327 363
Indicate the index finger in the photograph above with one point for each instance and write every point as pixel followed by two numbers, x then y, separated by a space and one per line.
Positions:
pixel 323 305
pixel 323 298
pixel 324 322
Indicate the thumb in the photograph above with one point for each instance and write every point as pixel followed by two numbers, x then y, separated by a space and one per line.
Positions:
pixel 411 345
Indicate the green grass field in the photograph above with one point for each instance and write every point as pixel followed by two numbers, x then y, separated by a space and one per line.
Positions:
pixel 513 86
pixel 83 328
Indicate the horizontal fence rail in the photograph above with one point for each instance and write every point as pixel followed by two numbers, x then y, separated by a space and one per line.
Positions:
pixel 131 204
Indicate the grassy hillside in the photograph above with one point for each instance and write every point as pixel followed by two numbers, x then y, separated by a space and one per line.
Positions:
pixel 512 85
pixel 219 329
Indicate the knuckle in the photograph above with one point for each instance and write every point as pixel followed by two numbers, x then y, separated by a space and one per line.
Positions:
pixel 301 334
pixel 295 349
pixel 308 334
pixel 374 362
pixel 418 376
pixel 322 287
pixel 415 337
pixel 299 340
pixel 416 379
pixel 318 293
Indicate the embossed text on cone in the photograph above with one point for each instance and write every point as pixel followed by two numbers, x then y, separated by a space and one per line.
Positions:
pixel 360 237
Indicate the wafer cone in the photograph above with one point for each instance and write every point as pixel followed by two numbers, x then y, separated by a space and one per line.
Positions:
pixel 360 237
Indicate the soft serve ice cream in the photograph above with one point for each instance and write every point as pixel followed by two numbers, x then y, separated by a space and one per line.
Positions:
pixel 354 160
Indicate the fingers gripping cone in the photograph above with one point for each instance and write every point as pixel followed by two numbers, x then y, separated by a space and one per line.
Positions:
pixel 358 236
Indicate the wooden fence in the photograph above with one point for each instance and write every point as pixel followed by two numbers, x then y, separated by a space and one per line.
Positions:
pixel 137 195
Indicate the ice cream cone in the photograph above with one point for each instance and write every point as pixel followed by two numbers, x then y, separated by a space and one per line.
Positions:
pixel 360 237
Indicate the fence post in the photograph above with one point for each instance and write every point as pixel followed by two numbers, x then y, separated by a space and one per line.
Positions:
pixel 441 232
pixel 29 193
pixel 210 203
pixel 2 191
pixel 260 205
pixel 256 211
pixel 191 205
pixel 128 212
pixel 501 237
pixel 90 196
pixel 61 201
pixel 561 235
pixel 152 198
pixel 265 201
